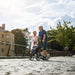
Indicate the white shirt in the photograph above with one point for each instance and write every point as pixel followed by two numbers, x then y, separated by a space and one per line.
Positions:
pixel 34 39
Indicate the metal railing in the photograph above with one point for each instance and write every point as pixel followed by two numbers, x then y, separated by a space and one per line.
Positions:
pixel 18 46
pixel 51 52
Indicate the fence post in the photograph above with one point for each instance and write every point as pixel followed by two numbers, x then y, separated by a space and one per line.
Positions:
pixel 24 51
pixel 17 50
pixel 8 50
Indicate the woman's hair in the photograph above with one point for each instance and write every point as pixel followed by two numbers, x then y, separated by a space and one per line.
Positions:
pixel 34 32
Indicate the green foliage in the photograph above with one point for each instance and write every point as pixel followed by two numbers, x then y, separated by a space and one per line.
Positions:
pixel 20 39
pixel 8 73
pixel 52 43
pixel 64 34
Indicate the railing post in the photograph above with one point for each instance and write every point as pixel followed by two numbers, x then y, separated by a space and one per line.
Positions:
pixel 24 51
pixel 8 49
pixel 17 50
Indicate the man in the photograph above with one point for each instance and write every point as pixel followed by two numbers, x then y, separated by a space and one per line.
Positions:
pixel 43 38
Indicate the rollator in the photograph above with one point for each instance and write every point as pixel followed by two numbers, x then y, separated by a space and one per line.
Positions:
pixel 37 53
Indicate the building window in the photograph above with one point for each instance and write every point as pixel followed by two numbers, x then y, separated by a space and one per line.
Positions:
pixel 2 36
pixel 2 50
pixel 2 42
pixel 7 37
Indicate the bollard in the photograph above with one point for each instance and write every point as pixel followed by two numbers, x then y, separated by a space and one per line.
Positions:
pixel 17 50
pixel 8 50
pixel 24 51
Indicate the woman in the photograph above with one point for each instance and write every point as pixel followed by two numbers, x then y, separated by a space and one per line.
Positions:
pixel 34 40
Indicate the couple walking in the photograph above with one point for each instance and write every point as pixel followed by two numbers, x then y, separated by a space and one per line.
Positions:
pixel 34 40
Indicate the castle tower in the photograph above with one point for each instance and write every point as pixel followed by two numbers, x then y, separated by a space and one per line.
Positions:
pixel 3 27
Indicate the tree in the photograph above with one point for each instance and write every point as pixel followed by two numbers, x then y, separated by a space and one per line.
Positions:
pixel 52 43
pixel 64 34
pixel 20 39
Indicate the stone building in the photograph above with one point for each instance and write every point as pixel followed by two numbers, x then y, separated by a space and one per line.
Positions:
pixel 6 38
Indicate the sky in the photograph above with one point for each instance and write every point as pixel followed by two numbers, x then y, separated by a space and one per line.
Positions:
pixel 33 13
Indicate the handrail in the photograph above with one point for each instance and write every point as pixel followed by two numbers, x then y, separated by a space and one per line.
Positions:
pixel 18 45
pixel 13 44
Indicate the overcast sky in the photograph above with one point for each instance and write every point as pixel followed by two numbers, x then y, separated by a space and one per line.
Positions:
pixel 32 13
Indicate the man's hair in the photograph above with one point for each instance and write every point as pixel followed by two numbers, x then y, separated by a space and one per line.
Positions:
pixel 41 27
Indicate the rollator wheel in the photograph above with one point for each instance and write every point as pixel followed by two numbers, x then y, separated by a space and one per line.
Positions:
pixel 38 59
pixel 31 59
